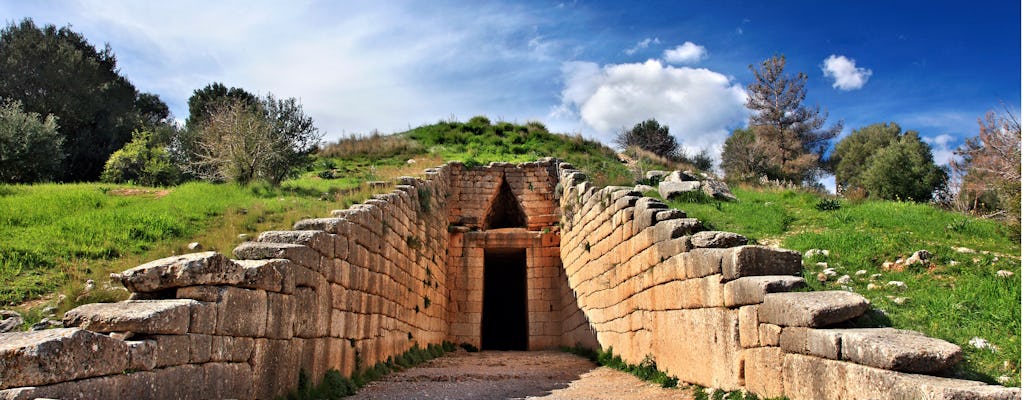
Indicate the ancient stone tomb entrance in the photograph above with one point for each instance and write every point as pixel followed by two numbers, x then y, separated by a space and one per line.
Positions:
pixel 504 321
pixel 504 267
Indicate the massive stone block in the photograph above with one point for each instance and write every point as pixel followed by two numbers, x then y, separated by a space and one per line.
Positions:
pixel 138 316
pixel 760 260
pixel 811 309
pixel 57 355
pixel 751 289
pixel 208 268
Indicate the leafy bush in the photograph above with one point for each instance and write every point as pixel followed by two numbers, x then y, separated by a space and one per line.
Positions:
pixel 30 146
pixel 142 162
pixel 828 205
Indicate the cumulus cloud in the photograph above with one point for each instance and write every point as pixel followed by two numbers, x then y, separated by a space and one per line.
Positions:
pixel 943 147
pixel 686 53
pixel 643 44
pixel 355 66
pixel 845 73
pixel 698 105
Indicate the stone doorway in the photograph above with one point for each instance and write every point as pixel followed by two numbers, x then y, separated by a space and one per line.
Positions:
pixel 504 319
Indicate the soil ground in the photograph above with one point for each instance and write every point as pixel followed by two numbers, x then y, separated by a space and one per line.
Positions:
pixel 493 375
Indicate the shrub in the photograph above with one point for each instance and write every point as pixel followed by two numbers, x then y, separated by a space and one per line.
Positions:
pixel 142 162
pixel 828 205
pixel 30 146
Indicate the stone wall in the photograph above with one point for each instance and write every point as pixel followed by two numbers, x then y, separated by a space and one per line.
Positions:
pixel 604 267
pixel 342 293
pixel 647 282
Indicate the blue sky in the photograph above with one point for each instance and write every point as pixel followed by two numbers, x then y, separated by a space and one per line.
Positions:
pixel 578 66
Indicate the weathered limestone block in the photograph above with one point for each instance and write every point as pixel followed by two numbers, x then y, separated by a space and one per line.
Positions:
pixel 699 346
pixel 717 189
pixel 273 275
pixel 141 354
pixel 769 334
pixel 337 226
pixel 717 239
pixel 752 289
pixel 297 253
pixel 670 190
pixel 207 268
pixel 275 367
pixel 171 350
pixel 56 355
pixel 231 349
pixel 826 343
pixel 199 348
pixel 318 240
pixel 763 371
pixel 748 326
pixel 809 377
pixel 313 311
pixel 281 313
pixel 811 309
pixel 900 351
pixel 228 380
pixel 760 260
pixel 139 316
pixel 674 228
pixel 681 176
pixel 239 312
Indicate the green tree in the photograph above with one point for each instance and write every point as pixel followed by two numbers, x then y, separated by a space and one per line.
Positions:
pixel 143 161
pixel 851 156
pixel 56 71
pixel 30 147
pixel 651 136
pixel 742 159
pixel 791 135
pixel 212 97
pixel 903 170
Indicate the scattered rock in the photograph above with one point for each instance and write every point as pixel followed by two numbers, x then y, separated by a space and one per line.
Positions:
pixel 822 277
pixel 953 263
pixel 821 265
pixel 816 252
pixel 90 285
pixel 982 344
pixel 844 280
pixel 872 286
pixel 1003 379
pixel 680 176
pixel 410 161
pixel 1004 273
pixel 656 173
pixel 244 237
pixel 50 311
pixel 830 272
pixel 10 321
pixel 717 189
pixel 897 300
pixel 46 323
pixel 897 284
pixel 861 272
pixel 889 266
pixel 919 257
pixel 962 250
pixel 671 189
pixel 194 246
pixel 876 276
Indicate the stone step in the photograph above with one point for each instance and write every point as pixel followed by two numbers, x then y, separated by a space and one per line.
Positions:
pixel 752 289
pixel 169 317
pixel 886 348
pixel 811 309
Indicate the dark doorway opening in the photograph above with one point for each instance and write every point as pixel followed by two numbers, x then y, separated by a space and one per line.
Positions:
pixel 505 211
pixel 504 321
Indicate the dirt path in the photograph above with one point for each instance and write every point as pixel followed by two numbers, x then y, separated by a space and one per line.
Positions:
pixel 497 375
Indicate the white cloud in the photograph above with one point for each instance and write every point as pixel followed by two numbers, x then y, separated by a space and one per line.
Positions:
pixel 686 53
pixel 355 66
pixel 943 147
pixel 845 73
pixel 643 44
pixel 698 105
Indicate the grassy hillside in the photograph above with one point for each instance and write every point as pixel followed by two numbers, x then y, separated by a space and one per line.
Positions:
pixel 54 237
pixel 958 297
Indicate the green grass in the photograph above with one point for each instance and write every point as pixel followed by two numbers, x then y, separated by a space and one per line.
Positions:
pixel 958 298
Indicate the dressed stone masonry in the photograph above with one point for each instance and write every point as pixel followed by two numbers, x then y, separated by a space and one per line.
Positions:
pixel 603 267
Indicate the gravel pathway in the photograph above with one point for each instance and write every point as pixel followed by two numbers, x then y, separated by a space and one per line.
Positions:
pixel 493 375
